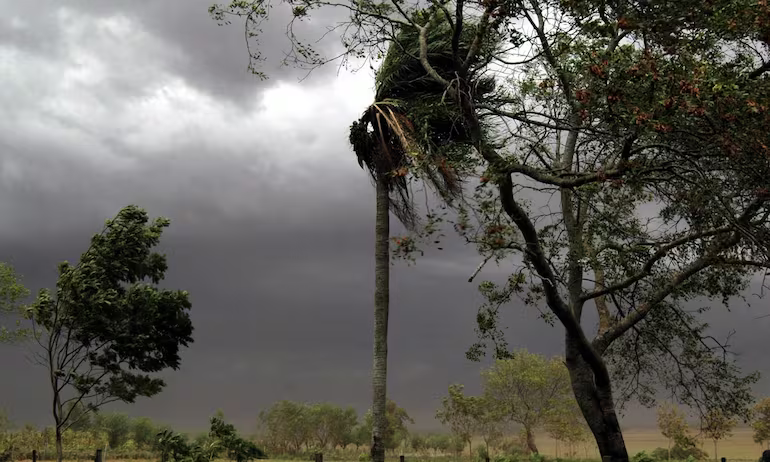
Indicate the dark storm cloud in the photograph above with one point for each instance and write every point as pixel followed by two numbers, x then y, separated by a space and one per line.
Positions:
pixel 211 58
pixel 282 290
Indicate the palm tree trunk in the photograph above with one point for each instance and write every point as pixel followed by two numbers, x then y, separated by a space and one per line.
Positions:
pixel 381 301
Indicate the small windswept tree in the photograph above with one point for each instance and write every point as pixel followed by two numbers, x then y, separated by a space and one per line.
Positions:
pixel 108 326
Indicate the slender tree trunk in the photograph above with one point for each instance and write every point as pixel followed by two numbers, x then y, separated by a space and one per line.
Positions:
pixel 59 448
pixel 531 441
pixel 596 404
pixel 715 451
pixel 381 302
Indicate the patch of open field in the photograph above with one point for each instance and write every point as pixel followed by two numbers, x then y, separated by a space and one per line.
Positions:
pixel 739 446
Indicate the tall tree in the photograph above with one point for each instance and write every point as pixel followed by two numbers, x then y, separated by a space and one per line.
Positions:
pixel 528 387
pixel 107 328
pixel 761 422
pixel 613 108
pixel 395 138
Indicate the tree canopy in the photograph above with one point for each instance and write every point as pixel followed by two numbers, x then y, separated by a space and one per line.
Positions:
pixel 642 124
pixel 529 389
pixel 108 326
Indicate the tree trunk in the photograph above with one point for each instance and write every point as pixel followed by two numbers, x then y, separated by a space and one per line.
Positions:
pixel 381 301
pixel 531 441
pixel 596 404
pixel 59 448
pixel 715 451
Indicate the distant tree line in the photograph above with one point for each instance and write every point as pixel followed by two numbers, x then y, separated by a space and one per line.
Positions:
pixel 289 427
pixel 116 433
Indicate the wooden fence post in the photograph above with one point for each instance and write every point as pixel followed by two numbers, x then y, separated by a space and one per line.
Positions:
pixel 401 458
pixel 98 456
pixel 319 457
pixel 34 455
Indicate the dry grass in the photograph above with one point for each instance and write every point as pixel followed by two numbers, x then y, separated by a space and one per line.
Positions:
pixel 739 446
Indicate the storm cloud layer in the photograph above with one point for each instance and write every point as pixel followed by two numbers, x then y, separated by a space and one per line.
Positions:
pixel 105 104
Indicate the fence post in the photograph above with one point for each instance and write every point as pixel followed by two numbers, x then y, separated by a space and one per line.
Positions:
pixel 34 455
pixel 401 458
pixel 724 459
pixel 98 456
pixel 319 457
pixel 486 458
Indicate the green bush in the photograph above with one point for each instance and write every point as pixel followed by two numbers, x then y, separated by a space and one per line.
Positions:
pixel 644 457
pixel 482 453
pixel 679 453
pixel 536 458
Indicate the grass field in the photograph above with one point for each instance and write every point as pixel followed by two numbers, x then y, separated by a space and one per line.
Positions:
pixel 739 446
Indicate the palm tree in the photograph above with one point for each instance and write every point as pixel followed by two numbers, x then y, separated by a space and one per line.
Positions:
pixel 410 129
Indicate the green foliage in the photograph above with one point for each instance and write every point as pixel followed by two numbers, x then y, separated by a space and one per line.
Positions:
pixel 642 456
pixel 761 422
pixel 535 457
pixel 462 413
pixel 143 431
pixel 222 439
pixel 332 425
pixel 672 424
pixel 287 426
pixel 530 389
pixel 396 431
pixel 116 426
pixel 615 108
pixel 115 326
pixel 11 294
pixel 81 417
pixel 172 446
pixel 235 447
pixel 679 452
pixel 482 453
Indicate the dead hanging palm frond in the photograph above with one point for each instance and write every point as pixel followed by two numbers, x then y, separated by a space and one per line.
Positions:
pixel 412 127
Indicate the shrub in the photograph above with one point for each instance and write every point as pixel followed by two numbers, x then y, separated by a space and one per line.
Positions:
pixel 536 457
pixel 482 453
pixel 644 457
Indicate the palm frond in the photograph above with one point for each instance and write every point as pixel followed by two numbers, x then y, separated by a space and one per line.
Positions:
pixel 411 126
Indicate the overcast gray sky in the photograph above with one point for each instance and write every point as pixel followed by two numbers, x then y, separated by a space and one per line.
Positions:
pixel 104 104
